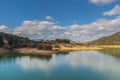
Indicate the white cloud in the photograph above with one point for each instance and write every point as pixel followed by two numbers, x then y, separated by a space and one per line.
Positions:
pixel 75 32
pixel 101 1
pixel 4 29
pixel 114 11
pixel 49 18
pixel 94 30
pixel 37 28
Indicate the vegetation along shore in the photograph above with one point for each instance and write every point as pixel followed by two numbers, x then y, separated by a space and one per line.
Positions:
pixel 23 45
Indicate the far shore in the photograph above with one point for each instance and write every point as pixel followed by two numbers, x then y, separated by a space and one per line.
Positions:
pixel 33 51
pixel 74 48
pixel 63 48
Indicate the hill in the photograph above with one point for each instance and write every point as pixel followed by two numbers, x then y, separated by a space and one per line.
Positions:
pixel 14 41
pixel 113 39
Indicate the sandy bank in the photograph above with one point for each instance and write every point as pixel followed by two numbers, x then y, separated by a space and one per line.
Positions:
pixel 32 51
pixel 62 48
pixel 36 51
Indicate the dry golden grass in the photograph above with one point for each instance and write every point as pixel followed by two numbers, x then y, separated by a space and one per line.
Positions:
pixel 73 48
pixel 62 48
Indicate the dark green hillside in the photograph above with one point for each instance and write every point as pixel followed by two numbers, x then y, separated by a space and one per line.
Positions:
pixel 113 39
pixel 14 41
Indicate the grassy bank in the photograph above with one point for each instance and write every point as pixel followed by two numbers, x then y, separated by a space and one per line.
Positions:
pixel 2 50
pixel 33 51
pixel 63 48
pixel 74 48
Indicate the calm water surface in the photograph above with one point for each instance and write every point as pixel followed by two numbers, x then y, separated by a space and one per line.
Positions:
pixel 78 65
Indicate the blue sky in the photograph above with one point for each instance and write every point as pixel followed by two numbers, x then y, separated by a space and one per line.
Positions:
pixel 59 18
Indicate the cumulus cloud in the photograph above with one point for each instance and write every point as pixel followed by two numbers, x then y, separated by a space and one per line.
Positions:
pixel 75 32
pixel 49 18
pixel 4 29
pixel 37 28
pixel 101 1
pixel 114 11
pixel 94 30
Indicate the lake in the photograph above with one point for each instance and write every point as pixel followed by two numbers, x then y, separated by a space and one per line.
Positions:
pixel 77 65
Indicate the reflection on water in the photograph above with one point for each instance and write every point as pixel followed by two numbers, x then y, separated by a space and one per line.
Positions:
pixel 78 65
pixel 113 52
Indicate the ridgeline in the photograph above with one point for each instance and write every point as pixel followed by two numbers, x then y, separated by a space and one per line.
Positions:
pixel 113 39
pixel 9 40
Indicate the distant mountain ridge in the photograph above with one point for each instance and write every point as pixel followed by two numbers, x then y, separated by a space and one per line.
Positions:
pixel 16 41
pixel 113 39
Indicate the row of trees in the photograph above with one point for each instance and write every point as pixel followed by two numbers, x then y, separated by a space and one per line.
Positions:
pixel 44 46
pixel 15 41
pixel 65 41
pixel 12 41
